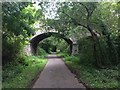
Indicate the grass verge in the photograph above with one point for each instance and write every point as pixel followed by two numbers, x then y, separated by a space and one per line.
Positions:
pixel 20 74
pixel 91 76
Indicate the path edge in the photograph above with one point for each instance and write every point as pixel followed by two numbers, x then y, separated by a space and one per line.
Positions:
pixel 77 76
pixel 32 82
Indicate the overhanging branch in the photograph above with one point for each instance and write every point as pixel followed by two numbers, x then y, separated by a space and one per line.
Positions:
pixel 74 21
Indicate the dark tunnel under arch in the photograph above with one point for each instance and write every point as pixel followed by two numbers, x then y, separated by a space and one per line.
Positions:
pixel 34 41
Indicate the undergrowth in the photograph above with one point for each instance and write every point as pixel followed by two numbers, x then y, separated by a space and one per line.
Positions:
pixel 91 76
pixel 20 73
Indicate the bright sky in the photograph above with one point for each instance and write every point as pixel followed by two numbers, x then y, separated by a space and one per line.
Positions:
pixel 51 10
pixel 51 13
pixel 36 4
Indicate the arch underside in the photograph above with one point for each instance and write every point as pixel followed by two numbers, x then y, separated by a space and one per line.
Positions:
pixel 35 40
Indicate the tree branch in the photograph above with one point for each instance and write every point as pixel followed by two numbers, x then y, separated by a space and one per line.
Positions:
pixel 88 12
pixel 74 21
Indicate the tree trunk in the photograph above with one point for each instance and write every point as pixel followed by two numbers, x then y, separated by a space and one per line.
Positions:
pixel 113 55
pixel 95 45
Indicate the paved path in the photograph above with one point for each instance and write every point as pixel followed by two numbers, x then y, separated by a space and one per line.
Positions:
pixel 56 75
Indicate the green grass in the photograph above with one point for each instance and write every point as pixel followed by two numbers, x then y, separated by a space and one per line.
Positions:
pixel 19 74
pixel 62 55
pixel 93 77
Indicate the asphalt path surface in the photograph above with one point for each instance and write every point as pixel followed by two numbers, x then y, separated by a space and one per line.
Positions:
pixel 57 75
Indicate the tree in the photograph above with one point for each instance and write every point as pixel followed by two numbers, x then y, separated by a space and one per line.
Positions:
pixel 92 17
pixel 16 29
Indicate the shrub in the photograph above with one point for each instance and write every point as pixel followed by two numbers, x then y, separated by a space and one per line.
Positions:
pixel 72 58
pixel 41 52
pixel 85 50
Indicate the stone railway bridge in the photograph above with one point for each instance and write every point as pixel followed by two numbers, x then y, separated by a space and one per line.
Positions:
pixel 31 48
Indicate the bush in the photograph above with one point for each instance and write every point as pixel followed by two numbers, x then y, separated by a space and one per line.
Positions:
pixel 85 50
pixel 92 77
pixel 62 55
pixel 12 48
pixel 72 58
pixel 41 52
pixel 17 74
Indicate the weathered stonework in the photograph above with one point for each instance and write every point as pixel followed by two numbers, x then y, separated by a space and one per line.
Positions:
pixel 31 48
pixel 74 48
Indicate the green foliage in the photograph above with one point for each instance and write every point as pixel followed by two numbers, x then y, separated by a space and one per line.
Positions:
pixel 41 52
pixel 77 20
pixel 105 20
pixel 46 45
pixel 72 59
pixel 11 48
pixel 19 74
pixel 85 50
pixel 63 47
pixel 62 55
pixel 93 77
pixel 54 44
pixel 96 19
pixel 16 28
pixel 93 25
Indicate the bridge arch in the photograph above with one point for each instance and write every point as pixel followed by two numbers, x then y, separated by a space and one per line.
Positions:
pixel 34 41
